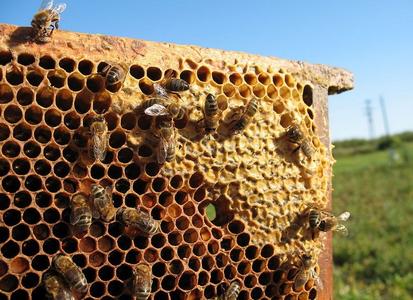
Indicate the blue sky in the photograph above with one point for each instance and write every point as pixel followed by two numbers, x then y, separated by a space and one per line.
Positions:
pixel 373 39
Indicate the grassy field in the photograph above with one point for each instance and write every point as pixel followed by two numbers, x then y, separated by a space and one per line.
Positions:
pixel 376 260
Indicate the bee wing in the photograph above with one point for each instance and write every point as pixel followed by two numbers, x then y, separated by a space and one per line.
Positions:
pixel 156 110
pixel 46 4
pixel 59 8
pixel 342 229
pixel 74 216
pixel 317 280
pixel 344 216
pixel 162 151
pixel 168 74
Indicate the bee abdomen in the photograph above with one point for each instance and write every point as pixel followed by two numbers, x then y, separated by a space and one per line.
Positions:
pixel 177 85
pixel 307 149
pixel 252 108
pixel 314 218
pixel 211 106
pixel 142 295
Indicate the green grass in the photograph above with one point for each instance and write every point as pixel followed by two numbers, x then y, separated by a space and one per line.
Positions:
pixel 376 260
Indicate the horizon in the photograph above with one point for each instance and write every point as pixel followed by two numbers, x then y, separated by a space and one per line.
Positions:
pixel 370 39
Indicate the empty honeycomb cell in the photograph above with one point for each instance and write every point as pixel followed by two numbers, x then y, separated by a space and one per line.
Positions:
pixel 43 199
pixel 181 197
pixel 197 221
pixel 117 139
pixel 22 132
pixel 124 242
pixel 274 263
pixel 4 234
pixel 150 255
pixel 175 238
pixel 158 184
pixel 229 90
pixel 122 185
pixel 203 74
pixel 12 216
pixel 31 149
pixel 189 208
pixel 250 79
pixel 10 149
pixel 22 199
pixel 236 227
pixel 285 92
pixel 95 83
pixel 258 265
pixel 140 186
pixel 76 82
pixel 14 75
pixel 4 202
pixel 213 247
pixel 69 245
pixel 42 167
pixel 244 91
pixel 30 280
pixel 4 167
pixel 289 80
pixel 41 232
pixel 42 134
pixel 106 273
pixel 264 78
pixel 106 243
pixel 10 249
pixel 243 240
pixel 62 137
pixel 115 229
pixel 124 272
pixel 218 77
pixel 278 80
pixel 144 151
pixel 4 132
pixel 97 258
pixel 5 57
pixel 250 281
pixel 57 78
pixel 51 215
pixel 146 86
pixel 125 155
pixel 9 283
pixel 209 292
pixel 115 288
pixel 64 99
pixel 70 154
pixel 168 282
pixel 33 183
pixel 188 76
pixel 61 230
pixel 83 101
pixel 25 96
pixel 194 264
pixel 308 95
pixel 230 272
pixel 98 171
pixel 34 77
pixel 47 62
pixel 26 59
pixel 190 235
pixel 182 223
pixel 217 276
pixel 154 73
pixel 137 71
pixel 258 90
pixel 144 122
pixel 227 243
pixel 20 232
pixel 87 244
pixel 208 262
pixel 67 64
pixel 31 216
pixel 44 97
pixel 51 152
pixel 149 200
pixel 132 200
pixel 176 267
pixel 33 115
pixel 187 281
pixel 13 114
pixel 256 293
pixel 85 67
pixel 11 184
pixel 265 278
pixel 167 253
pixel 286 120
pixel 102 102
pixel 267 251
pixel 132 171
pixel 6 94
pixel 97 289
pixel 90 274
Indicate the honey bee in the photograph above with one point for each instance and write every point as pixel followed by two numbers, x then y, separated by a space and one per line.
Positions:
pixel 99 133
pixel 46 20
pixel 80 215
pixel 139 219
pixel 173 84
pixel 142 281
pixel 166 148
pixel 331 222
pixel 56 288
pixel 114 74
pixel 70 272
pixel 211 112
pixel 246 117
pixel 172 110
pixel 296 136
pixel 306 271
pixel 102 203
pixel 233 291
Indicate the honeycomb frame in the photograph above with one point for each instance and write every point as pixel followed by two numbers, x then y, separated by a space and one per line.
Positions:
pixel 48 97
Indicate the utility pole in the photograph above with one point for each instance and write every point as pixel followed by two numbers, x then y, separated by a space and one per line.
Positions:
pixel 384 112
pixel 369 115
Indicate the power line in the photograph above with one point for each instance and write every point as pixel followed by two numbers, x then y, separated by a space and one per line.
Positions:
pixel 369 114
pixel 385 120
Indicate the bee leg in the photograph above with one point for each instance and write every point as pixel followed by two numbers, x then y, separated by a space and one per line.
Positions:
pixel 296 149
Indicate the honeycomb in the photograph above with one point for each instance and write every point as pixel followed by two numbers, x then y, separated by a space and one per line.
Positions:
pixel 259 187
